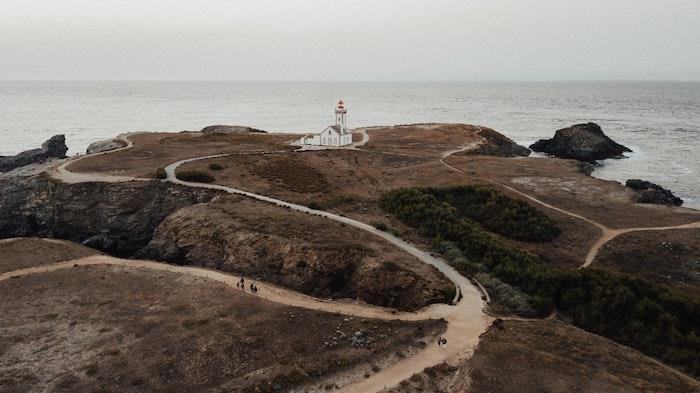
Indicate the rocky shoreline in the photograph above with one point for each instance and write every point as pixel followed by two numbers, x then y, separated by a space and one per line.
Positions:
pixel 55 147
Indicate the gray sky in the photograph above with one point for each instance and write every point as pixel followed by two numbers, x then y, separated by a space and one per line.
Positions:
pixel 349 40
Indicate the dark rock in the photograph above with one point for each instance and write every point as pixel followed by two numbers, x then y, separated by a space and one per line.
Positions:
pixel 52 148
pixel 231 130
pixel 118 218
pixel 647 192
pixel 497 144
pixel 583 142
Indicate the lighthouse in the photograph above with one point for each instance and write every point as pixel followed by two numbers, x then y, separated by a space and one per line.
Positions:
pixel 340 113
pixel 336 135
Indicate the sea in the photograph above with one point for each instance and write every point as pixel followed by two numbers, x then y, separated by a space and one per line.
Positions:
pixel 659 121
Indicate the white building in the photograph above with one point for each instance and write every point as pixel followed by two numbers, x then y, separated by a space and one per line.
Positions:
pixel 335 135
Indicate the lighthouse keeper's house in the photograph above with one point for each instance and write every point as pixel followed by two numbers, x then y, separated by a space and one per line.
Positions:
pixel 335 135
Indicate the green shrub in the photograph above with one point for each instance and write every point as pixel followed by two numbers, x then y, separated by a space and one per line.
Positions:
pixel 381 226
pixel 507 296
pixel 216 166
pixel 498 212
pixel 160 174
pixel 194 176
pixel 646 316
pixel 314 205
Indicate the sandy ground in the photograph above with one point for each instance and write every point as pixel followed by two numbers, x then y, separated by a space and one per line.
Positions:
pixel 85 328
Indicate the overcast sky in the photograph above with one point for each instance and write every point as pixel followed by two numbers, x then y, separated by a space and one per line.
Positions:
pixel 349 40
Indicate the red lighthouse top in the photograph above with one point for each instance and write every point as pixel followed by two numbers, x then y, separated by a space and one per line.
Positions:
pixel 341 104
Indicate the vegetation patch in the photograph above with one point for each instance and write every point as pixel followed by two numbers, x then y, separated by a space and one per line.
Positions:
pixel 381 226
pixel 498 213
pixel 215 166
pixel 194 176
pixel 649 317
pixel 160 174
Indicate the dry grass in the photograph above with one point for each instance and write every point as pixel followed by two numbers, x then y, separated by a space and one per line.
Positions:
pixel 669 257
pixel 156 150
pixel 549 356
pixel 27 252
pixel 427 140
pixel 124 330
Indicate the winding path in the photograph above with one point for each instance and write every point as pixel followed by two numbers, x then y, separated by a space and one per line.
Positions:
pixel 62 173
pixel 466 319
pixel 607 233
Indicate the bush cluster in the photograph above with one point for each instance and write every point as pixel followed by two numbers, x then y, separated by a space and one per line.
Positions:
pixel 506 295
pixel 381 226
pixel 194 176
pixel 649 317
pixel 160 174
pixel 498 213
pixel 215 166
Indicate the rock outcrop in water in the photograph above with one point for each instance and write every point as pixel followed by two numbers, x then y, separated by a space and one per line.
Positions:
pixel 219 129
pixel 583 142
pixel 648 192
pixel 106 145
pixel 55 147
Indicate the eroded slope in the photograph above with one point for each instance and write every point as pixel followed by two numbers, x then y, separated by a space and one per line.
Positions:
pixel 314 255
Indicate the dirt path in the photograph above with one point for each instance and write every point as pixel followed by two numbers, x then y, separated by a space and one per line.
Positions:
pixel 266 291
pixel 610 234
pixel 466 322
pixel 460 282
pixel 62 173
pixel 466 319
pixel 607 233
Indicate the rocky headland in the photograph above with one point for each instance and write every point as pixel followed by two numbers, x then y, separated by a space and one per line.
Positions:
pixel 55 147
pixel 305 224
pixel 583 142
pixel 499 145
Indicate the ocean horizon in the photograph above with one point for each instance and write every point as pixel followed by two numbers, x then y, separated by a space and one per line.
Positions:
pixel 658 120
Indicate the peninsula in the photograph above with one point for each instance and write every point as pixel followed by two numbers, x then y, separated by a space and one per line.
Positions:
pixel 422 257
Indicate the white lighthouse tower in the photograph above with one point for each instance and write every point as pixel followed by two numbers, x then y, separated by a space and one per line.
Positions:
pixel 336 135
pixel 340 113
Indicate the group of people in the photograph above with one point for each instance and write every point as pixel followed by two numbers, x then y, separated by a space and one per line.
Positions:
pixel 442 342
pixel 241 285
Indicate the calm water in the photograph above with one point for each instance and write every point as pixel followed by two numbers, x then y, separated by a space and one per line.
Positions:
pixel 660 121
